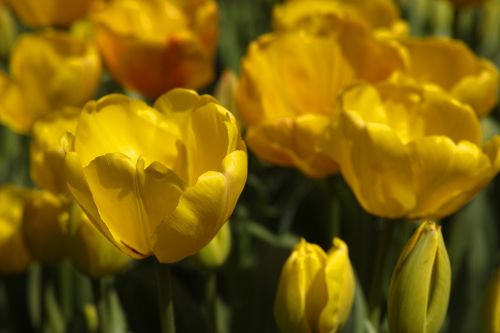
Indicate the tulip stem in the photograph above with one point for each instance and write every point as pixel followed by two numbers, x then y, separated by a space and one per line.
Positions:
pixel 165 301
pixel 99 292
pixel 379 270
pixel 211 299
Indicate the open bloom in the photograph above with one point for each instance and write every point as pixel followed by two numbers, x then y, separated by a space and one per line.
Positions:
pixel 316 289
pixel 420 284
pixel 14 255
pixel 159 180
pixel 290 82
pixel 156 45
pixel 44 13
pixel 48 71
pixel 410 151
pixel 452 66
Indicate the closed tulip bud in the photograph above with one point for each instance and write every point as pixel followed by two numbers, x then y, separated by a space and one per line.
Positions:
pixel 316 290
pixel 44 13
pixel 7 30
pixel 90 252
pixel 491 306
pixel 45 226
pixel 215 253
pixel 14 255
pixel 420 284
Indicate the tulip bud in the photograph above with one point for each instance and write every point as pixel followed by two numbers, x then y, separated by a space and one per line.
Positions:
pixel 420 285
pixel 316 290
pixel 89 251
pixel 8 30
pixel 215 253
pixel 45 225
pixel 491 306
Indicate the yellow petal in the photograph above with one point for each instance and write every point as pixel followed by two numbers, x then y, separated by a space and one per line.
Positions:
pixel 116 123
pixel 119 187
pixel 446 175
pixel 380 176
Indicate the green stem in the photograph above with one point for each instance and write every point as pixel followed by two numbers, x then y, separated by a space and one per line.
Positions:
pixel 455 30
pixel 66 285
pixel 165 301
pixel 211 302
pixel 377 287
pixel 99 292
pixel 335 217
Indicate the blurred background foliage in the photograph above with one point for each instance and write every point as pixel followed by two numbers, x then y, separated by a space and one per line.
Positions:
pixel 277 206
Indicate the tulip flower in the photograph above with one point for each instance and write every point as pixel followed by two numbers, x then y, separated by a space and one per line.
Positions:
pixel 289 85
pixel 47 154
pixel 379 15
pixel 491 306
pixel 156 180
pixel 315 290
pixel 420 284
pixel 410 151
pixel 49 70
pixel 156 45
pixel 89 251
pixel 45 226
pixel 45 13
pixel 452 66
pixel 14 255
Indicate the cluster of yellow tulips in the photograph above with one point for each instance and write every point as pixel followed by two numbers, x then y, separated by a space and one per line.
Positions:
pixel 119 158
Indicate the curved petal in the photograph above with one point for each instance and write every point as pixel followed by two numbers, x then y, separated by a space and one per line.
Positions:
pixel 119 190
pixel 446 175
pixel 195 221
pixel 381 167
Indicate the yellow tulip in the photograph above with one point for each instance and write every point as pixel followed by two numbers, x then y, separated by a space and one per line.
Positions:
pixel 45 226
pixel 14 255
pixel 156 45
pixel 289 85
pixel 89 251
pixel 378 15
pixel 215 253
pixel 420 284
pixel 452 66
pixel 48 71
pixel 491 306
pixel 47 154
pixel 44 13
pixel 410 151
pixel 159 180
pixel 316 290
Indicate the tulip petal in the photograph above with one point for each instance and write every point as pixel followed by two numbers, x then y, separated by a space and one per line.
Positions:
pixel 195 221
pixel 116 123
pixel 381 174
pixel 446 175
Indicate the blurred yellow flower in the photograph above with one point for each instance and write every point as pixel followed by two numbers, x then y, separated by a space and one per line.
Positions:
pixel 45 226
pixel 315 290
pixel 8 30
pixel 410 151
pixel 44 13
pixel 159 180
pixel 89 251
pixel 48 71
pixel 289 85
pixel 14 255
pixel 451 65
pixel 156 45
pixel 378 15
pixel 490 319
pixel 47 154
pixel 420 284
